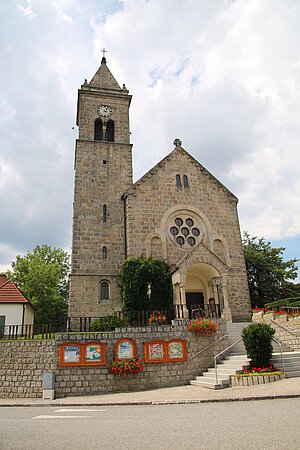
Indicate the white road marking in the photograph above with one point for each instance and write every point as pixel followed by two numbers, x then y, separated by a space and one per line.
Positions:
pixel 60 417
pixel 78 410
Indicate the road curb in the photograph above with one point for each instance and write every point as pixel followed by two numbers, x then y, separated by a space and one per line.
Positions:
pixel 148 402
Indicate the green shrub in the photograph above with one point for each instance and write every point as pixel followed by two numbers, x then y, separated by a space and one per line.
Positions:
pixel 108 322
pixel 290 301
pixel 258 343
pixel 138 274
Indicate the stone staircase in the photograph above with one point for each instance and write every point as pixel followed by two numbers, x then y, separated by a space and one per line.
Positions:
pixel 229 366
pixel 225 368
pixel 291 363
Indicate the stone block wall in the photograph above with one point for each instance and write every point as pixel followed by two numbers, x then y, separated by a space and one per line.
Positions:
pixel 287 330
pixel 22 365
pixel 82 380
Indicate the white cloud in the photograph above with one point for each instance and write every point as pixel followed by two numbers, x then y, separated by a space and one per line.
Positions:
pixel 222 75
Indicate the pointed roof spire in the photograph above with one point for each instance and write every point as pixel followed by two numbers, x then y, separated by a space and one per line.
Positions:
pixel 103 78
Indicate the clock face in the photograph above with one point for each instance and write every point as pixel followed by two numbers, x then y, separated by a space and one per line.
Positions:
pixel 104 110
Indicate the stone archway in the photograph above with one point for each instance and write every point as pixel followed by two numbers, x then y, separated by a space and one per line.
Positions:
pixel 200 287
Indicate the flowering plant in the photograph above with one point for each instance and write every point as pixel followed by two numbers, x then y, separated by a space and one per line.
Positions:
pixel 257 310
pixel 157 317
pixel 126 366
pixel 294 314
pixel 203 326
pixel 280 313
pixel 260 370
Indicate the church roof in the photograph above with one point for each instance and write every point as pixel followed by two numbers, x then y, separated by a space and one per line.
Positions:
pixel 103 78
pixel 161 163
pixel 10 293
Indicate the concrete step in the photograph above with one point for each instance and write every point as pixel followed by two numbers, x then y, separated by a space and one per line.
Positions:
pixel 292 374
pixel 206 384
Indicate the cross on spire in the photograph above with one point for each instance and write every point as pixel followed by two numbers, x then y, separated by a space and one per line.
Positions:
pixel 104 51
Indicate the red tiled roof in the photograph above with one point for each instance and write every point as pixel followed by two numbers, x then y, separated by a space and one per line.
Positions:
pixel 9 293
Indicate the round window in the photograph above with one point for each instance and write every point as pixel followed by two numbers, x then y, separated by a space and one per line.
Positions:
pixel 174 231
pixel 196 232
pixel 180 240
pixel 184 231
pixel 189 222
pixel 178 221
pixel 191 240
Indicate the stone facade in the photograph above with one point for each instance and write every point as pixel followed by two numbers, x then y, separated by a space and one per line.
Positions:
pixel 177 212
pixel 22 364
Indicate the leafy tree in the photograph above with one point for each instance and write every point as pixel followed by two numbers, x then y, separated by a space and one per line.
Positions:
pixel 140 273
pixel 42 276
pixel 267 272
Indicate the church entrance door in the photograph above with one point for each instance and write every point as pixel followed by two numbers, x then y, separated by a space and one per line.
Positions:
pixel 193 299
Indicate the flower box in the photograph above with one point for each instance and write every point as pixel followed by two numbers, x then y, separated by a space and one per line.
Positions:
pixel 253 380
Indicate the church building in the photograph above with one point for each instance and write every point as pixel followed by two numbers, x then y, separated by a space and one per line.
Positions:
pixel 178 211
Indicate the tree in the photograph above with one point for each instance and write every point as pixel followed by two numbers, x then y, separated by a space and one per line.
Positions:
pixel 257 339
pixel 140 274
pixel 42 276
pixel 267 272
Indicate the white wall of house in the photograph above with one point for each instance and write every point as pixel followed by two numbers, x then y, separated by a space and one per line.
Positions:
pixel 13 313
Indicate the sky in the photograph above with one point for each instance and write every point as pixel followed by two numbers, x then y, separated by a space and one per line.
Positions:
pixel 221 75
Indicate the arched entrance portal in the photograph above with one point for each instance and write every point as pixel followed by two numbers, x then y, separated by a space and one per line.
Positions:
pixel 203 287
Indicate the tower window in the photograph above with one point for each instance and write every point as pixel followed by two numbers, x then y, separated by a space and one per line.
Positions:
pixel 104 213
pixel 110 131
pixel 104 252
pixel 178 180
pixel 98 130
pixel 185 181
pixel 104 290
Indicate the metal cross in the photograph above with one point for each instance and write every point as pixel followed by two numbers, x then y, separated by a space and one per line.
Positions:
pixel 104 51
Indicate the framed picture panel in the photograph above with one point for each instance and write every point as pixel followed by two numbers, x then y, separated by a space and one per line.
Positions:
pixel 125 349
pixel 75 354
pixel 158 351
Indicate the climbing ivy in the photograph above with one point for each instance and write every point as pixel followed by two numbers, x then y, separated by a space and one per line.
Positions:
pixel 137 273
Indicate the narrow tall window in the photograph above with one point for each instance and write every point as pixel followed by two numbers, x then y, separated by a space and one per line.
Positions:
pixel 185 181
pixel 104 290
pixel 178 180
pixel 98 130
pixel 110 131
pixel 104 213
pixel 104 252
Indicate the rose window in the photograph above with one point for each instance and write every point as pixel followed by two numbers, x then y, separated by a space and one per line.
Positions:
pixel 184 231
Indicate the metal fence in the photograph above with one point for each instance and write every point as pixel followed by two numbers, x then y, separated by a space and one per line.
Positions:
pixel 110 322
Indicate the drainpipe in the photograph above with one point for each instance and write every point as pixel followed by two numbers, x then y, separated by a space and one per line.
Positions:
pixel 125 225
pixel 23 318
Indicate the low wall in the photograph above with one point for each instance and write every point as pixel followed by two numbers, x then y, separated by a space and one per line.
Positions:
pixel 23 363
pixel 287 329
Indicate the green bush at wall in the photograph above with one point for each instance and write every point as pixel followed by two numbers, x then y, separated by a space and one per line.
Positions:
pixel 107 323
pixel 290 301
pixel 140 273
pixel 257 339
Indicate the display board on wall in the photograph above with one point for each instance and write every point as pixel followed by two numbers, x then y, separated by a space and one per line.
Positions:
pixel 75 354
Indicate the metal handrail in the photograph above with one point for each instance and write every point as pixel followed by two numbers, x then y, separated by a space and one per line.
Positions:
pixel 221 353
pixel 292 332
pixel 232 345
pixel 282 360
pixel 208 346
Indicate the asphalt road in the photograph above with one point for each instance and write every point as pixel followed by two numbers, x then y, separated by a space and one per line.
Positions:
pixel 268 424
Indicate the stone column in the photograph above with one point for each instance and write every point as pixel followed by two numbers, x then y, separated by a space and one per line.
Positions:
pixel 226 313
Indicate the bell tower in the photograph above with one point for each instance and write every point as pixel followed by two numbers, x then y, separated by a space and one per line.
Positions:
pixel 103 171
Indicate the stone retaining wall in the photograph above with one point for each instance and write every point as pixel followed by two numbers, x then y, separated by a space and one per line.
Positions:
pixel 287 329
pixel 22 364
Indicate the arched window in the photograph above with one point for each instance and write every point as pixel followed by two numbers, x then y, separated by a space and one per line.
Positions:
pixel 98 130
pixel 110 131
pixel 104 290
pixel 104 252
pixel 185 181
pixel 104 213
pixel 178 180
